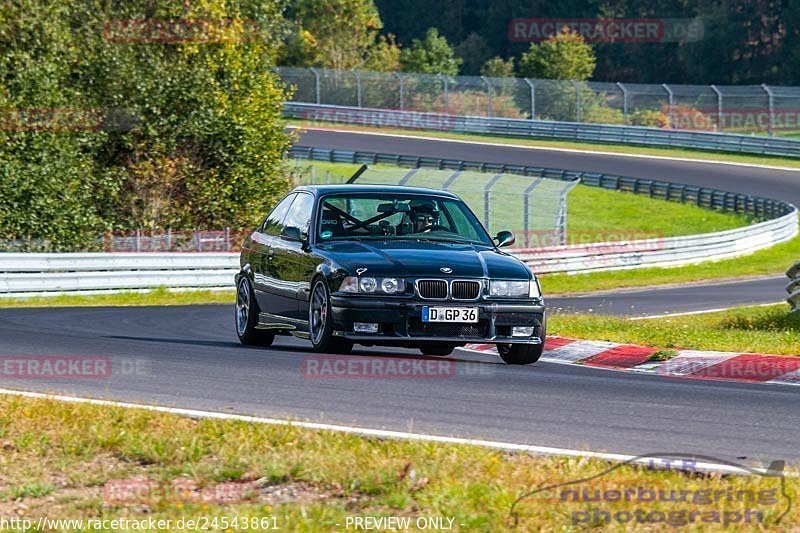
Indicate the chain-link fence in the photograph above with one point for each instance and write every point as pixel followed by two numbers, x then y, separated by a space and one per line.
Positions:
pixel 750 109
pixel 534 208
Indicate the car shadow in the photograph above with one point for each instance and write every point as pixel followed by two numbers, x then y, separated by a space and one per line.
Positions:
pixel 357 351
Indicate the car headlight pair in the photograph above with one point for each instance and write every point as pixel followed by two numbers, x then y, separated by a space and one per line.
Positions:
pixel 368 285
pixel 515 289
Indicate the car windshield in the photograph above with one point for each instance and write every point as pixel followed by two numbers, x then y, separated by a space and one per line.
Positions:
pixel 381 216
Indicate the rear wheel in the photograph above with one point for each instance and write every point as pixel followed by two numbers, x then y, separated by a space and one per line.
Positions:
pixel 320 322
pixel 437 349
pixel 247 316
pixel 520 354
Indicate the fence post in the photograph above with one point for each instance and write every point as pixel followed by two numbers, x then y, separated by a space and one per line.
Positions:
pixel 624 101
pixel 771 109
pixel 577 101
pixel 446 94
pixel 533 97
pixel 138 241
pixel 358 87
pixel 227 239
pixel 488 96
pixel 526 216
pixel 487 189
pixel 402 96
pixel 316 83
pixel 670 111
pixel 719 107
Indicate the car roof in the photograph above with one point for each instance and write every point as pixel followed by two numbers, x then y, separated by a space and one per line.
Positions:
pixel 321 190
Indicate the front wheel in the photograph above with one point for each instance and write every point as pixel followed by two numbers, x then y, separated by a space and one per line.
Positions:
pixel 520 354
pixel 247 316
pixel 320 322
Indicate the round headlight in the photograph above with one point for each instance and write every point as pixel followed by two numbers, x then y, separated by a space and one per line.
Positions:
pixel 368 284
pixel 390 285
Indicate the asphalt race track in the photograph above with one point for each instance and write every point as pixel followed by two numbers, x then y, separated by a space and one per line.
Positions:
pixel 771 183
pixel 189 357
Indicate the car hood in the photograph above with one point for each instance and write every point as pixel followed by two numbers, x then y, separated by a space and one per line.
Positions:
pixel 414 259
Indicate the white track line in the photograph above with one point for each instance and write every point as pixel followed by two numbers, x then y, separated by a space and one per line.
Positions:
pixel 654 462
pixel 549 149
pixel 719 309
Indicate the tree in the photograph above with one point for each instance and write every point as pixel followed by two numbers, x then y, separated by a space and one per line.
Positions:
pixel 333 33
pixel 497 67
pixel 474 52
pixel 432 55
pixel 565 56
pixel 384 55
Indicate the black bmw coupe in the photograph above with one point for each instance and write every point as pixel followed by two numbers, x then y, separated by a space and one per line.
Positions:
pixel 385 265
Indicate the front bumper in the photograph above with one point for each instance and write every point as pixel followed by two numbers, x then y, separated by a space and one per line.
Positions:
pixel 400 321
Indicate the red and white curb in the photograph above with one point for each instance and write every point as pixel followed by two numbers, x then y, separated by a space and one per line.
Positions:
pixel 687 364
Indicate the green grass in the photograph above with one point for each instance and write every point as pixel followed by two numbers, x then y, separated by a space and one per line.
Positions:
pixel 598 147
pixel 774 260
pixel 771 329
pixel 594 214
pixel 160 296
pixel 308 480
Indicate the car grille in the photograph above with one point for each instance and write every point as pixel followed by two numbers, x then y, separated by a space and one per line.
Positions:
pixel 465 290
pixel 432 289
pixel 417 328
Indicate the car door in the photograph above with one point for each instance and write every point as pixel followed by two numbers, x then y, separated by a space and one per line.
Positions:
pixel 295 264
pixel 261 257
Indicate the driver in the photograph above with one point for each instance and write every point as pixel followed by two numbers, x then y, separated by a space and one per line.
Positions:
pixel 424 215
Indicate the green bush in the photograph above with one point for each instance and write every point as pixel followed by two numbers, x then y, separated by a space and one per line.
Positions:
pixel 206 146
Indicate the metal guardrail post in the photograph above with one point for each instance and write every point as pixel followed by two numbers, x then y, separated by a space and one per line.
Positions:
pixel 445 92
pixel 771 97
pixel 316 84
pixel 487 189
pixel 671 102
pixel 533 97
pixel 526 222
pixel 624 101
pixel 577 101
pixel 719 107
pixel 358 87
pixel 401 80
pixel 488 96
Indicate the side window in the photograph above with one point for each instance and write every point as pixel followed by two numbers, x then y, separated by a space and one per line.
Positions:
pixel 272 225
pixel 299 215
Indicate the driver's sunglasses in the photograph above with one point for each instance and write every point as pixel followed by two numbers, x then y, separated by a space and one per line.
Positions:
pixel 425 218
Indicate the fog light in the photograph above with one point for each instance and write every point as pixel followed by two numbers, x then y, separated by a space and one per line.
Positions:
pixel 522 331
pixel 365 327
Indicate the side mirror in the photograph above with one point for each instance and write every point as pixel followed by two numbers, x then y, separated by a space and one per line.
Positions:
pixel 291 233
pixel 504 238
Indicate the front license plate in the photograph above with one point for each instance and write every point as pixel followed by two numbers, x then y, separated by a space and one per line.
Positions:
pixel 450 314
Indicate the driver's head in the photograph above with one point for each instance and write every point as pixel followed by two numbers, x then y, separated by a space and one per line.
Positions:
pixel 424 214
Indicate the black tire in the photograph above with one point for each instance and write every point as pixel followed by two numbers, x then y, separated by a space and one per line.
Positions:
pixel 520 354
pixel 246 316
pixel 437 349
pixel 320 322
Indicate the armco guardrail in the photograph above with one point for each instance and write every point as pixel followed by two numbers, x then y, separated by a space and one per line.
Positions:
pixel 761 208
pixel 26 274
pixel 542 129
pixel 793 288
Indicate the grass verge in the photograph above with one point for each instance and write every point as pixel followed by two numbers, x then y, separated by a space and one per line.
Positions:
pixel 160 296
pixel 770 330
pixel 591 147
pixel 85 462
pixel 774 260
pixel 625 216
